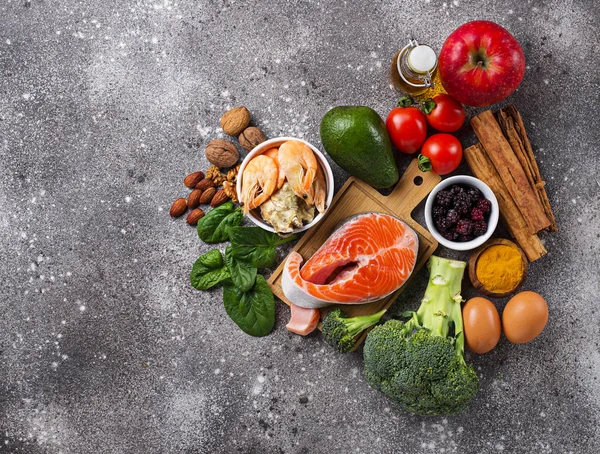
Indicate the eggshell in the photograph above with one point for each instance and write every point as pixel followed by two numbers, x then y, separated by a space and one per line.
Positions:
pixel 481 324
pixel 524 317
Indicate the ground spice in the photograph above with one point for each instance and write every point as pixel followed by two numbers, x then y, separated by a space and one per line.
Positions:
pixel 499 268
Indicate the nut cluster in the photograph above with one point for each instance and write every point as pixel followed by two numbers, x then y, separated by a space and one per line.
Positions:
pixel 216 187
pixel 204 192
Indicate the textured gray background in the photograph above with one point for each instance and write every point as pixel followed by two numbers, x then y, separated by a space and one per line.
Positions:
pixel 104 346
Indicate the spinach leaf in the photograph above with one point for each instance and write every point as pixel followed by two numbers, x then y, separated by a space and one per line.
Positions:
pixel 255 245
pixel 243 274
pixel 253 311
pixel 213 228
pixel 209 270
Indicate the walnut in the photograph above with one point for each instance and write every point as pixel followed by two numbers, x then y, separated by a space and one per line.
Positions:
pixel 233 173
pixel 230 191
pixel 222 153
pixel 251 137
pixel 235 120
pixel 219 179
pixel 212 172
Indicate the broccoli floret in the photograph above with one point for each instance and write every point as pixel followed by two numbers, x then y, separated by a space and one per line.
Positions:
pixel 420 363
pixel 456 390
pixel 340 331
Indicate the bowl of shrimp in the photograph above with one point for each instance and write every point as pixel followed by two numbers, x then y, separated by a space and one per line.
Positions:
pixel 285 185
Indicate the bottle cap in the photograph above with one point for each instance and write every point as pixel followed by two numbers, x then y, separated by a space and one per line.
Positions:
pixel 422 59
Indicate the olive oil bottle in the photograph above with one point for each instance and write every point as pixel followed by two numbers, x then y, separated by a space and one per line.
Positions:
pixel 414 71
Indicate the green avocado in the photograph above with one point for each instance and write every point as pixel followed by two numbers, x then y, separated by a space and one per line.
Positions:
pixel 356 139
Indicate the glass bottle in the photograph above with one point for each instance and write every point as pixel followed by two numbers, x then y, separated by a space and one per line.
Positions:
pixel 414 70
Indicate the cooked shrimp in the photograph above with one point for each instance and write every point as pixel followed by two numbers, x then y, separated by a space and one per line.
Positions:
pixel 300 167
pixel 273 153
pixel 259 180
pixel 319 190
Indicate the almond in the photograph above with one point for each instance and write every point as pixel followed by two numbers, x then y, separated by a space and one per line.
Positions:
pixel 207 195
pixel 219 198
pixel 194 198
pixel 195 216
pixel 193 179
pixel 178 208
pixel 205 184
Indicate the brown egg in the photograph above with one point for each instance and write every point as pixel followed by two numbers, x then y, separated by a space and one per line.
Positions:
pixel 481 324
pixel 524 317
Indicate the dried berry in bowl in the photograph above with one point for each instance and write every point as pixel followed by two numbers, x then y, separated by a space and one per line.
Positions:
pixel 461 213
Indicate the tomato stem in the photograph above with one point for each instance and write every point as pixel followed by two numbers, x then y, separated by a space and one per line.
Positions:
pixel 424 163
pixel 405 101
pixel 428 105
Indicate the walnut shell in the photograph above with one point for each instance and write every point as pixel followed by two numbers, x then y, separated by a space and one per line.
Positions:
pixel 235 120
pixel 251 137
pixel 222 153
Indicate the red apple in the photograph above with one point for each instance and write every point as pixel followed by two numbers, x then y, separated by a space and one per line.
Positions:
pixel 481 63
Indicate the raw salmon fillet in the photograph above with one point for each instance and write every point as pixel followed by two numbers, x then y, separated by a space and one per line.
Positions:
pixel 369 257
pixel 303 321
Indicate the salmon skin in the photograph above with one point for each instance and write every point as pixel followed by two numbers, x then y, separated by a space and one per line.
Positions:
pixel 367 258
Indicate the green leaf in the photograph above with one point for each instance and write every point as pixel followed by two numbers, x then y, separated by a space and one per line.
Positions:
pixel 260 257
pixel 253 311
pixel 256 246
pixel 209 270
pixel 243 273
pixel 212 259
pixel 213 228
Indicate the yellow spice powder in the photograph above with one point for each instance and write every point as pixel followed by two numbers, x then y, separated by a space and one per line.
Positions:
pixel 499 268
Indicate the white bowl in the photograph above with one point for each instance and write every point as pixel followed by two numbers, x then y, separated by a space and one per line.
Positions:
pixel 492 221
pixel 271 143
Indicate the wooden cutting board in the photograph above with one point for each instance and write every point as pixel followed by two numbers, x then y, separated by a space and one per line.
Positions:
pixel 357 197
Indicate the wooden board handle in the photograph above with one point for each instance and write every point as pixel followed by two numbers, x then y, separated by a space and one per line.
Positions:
pixel 411 189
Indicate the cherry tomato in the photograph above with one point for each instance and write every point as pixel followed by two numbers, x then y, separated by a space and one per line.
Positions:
pixel 407 128
pixel 448 115
pixel 441 153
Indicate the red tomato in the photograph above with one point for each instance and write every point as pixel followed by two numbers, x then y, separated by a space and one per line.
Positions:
pixel 448 115
pixel 441 153
pixel 407 128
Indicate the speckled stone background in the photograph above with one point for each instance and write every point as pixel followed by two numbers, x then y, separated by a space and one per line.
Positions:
pixel 106 348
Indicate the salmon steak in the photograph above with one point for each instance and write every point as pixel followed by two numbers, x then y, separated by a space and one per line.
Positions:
pixel 369 257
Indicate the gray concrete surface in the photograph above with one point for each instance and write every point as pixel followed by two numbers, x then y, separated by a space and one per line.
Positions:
pixel 104 345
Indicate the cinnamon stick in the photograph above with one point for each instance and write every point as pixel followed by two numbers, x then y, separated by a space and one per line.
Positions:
pixel 483 168
pixel 510 170
pixel 513 128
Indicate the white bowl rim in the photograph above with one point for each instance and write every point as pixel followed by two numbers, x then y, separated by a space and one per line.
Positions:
pixel 494 215
pixel 264 146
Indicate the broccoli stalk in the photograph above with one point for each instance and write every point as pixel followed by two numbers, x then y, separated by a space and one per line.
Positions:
pixel 340 331
pixel 440 307
pixel 419 363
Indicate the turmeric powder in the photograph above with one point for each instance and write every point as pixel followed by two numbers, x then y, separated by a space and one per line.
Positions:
pixel 499 268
